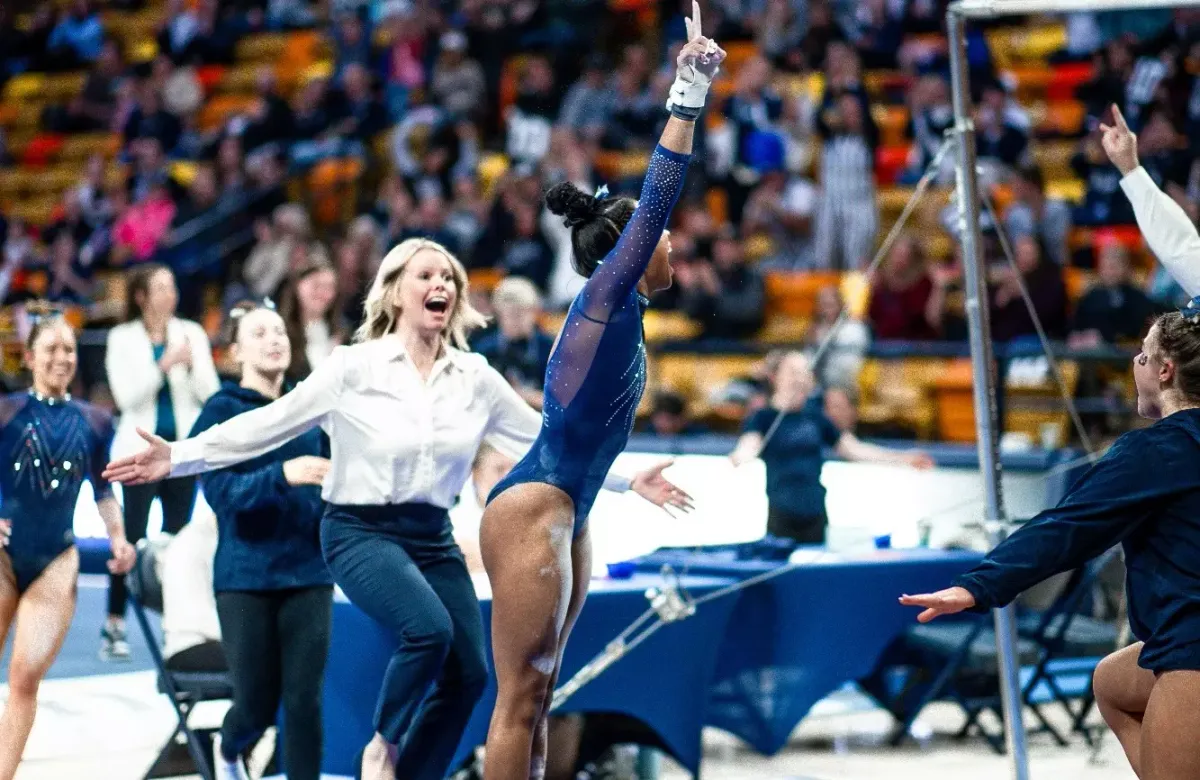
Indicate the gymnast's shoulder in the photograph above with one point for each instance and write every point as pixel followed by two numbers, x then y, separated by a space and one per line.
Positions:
pixel 1172 442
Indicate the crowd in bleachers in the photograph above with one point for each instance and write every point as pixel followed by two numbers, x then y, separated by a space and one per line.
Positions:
pixel 245 143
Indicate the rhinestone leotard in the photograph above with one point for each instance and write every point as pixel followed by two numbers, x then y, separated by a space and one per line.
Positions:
pixel 596 376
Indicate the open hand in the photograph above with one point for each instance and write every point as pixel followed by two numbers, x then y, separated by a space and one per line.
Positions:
pixel 123 557
pixel 150 465
pixel 944 602
pixel 1120 143
pixel 660 491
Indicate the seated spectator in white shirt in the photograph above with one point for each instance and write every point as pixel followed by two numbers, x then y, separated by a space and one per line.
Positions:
pixel 191 631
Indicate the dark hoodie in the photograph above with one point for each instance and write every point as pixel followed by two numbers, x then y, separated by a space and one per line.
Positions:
pixel 268 530
pixel 1144 494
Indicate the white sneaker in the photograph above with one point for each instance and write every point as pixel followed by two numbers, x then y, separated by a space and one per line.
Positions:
pixel 113 645
pixel 223 768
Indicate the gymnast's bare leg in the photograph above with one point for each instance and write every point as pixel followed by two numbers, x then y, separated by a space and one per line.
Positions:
pixel 538 587
pixel 43 615
pixel 1122 691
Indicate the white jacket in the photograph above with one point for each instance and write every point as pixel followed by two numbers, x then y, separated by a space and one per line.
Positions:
pixel 134 378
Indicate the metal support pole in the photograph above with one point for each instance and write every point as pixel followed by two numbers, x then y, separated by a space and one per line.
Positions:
pixel 983 370
pixel 991 9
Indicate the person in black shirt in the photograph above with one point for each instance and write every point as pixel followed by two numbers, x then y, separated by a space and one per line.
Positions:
pixel 795 452
pixel 1113 310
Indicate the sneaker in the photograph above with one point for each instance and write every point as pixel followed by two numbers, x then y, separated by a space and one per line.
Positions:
pixel 113 646
pixel 223 768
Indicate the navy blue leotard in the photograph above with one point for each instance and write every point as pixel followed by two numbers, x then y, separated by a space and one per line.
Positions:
pixel 597 373
pixel 1144 494
pixel 48 448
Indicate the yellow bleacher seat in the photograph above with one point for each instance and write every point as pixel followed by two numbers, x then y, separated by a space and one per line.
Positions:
pixel 1054 158
pixel 143 50
pixel 80 147
pixel 892 200
pixel 25 86
pixel 63 86
pixel 619 165
pixel 1073 190
pixel 783 329
pixel 263 47
pixel 241 78
pixel 492 166
pixel 485 279
pixel 696 377
pixel 53 180
pixel 1039 41
pixel 663 326
pixel 33 211
pixel 955 402
pixel 1028 409
pixel 900 391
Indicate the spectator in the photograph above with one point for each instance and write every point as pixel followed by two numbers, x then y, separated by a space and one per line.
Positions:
pixel 191 629
pixel 267 266
pixel 633 112
pixel 517 347
pixel 848 215
pixel 900 294
pixel 589 104
pixel 781 29
pixel 531 117
pixel 1104 203
pixel 357 260
pixel 877 34
pixel 848 341
pixel 161 371
pixel 1113 311
pixel 92 193
pixel 669 416
pixel 65 284
pixel 202 225
pixel 783 208
pixel 363 116
pixel 998 137
pixel 429 221
pixel 149 120
pixel 270 120
pixel 468 214
pixel 458 83
pixel 527 253
pixel 78 37
pixel 95 106
pixel 1033 214
pixel 725 297
pixel 1010 316
pixel 930 116
pixel 753 111
pixel 351 42
pixel 309 311
pixel 1160 152
pixel 140 230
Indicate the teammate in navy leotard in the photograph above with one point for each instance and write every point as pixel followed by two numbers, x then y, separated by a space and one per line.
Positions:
pixel 49 444
pixel 1145 495
pixel 533 534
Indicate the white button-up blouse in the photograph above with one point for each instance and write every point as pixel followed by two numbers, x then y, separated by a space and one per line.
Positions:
pixel 395 438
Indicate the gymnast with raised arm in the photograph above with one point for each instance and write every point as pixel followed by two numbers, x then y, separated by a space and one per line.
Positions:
pixel 406 409
pixel 533 534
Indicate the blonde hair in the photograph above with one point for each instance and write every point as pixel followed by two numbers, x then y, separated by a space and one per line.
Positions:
pixel 379 316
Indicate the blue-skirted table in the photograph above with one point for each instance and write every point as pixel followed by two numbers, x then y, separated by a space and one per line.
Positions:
pixel 800 636
pixel 663 682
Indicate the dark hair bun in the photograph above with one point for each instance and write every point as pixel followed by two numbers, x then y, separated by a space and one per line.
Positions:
pixel 572 203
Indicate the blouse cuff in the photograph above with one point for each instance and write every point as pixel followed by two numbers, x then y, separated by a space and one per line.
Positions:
pixel 1137 181
pixel 187 457
pixel 616 483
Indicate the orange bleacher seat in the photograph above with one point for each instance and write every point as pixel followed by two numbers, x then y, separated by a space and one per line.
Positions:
pixel 484 279
pixel 220 108
pixel 795 293
pixel 620 165
pixel 1031 79
pixel 1077 281
pixel 955 402
pixel 717 200
pixel 892 122
pixel 1065 117
pixel 509 75
pixel 737 54
pixel 879 82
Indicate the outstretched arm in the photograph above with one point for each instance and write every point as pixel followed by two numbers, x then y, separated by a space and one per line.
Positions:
pixel 1111 501
pixel 1168 230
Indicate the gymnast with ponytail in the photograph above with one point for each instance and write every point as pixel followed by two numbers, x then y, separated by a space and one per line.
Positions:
pixel 533 535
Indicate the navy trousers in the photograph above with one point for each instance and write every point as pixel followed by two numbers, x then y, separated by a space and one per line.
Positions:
pixel 400 565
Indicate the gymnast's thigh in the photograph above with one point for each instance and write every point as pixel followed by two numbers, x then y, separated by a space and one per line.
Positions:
pixel 525 539
pixel 1171 728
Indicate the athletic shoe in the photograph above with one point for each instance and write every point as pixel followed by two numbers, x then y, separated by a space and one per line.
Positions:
pixel 113 646
pixel 223 768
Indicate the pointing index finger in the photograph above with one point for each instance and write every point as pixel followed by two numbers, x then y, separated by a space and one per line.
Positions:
pixel 1120 118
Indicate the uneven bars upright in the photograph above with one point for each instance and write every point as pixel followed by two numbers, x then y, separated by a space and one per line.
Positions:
pixel 990 9
pixel 984 381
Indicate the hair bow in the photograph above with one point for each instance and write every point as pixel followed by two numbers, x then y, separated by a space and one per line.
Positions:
pixel 1191 311
pixel 601 192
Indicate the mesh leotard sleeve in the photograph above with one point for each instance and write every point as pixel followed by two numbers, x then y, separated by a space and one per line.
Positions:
pixel 614 282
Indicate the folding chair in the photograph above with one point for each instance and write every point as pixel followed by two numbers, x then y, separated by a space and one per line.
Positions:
pixel 962 656
pixel 184 689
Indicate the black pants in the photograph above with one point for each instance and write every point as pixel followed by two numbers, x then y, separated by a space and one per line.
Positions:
pixel 400 565
pixel 276 643
pixel 177 497
pixel 804 529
